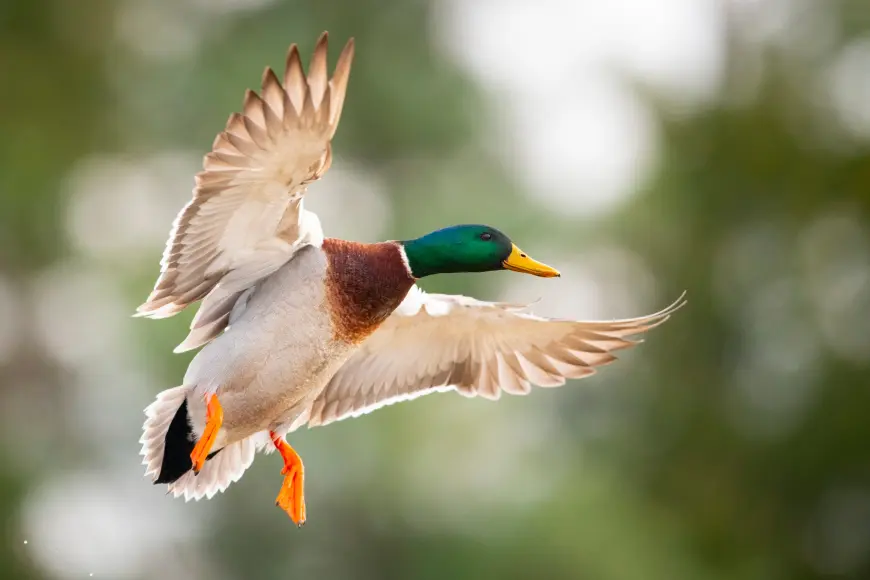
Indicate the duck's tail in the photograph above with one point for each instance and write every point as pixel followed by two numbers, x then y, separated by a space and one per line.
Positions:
pixel 167 441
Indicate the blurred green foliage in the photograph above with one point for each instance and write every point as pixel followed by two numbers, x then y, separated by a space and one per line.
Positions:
pixel 683 493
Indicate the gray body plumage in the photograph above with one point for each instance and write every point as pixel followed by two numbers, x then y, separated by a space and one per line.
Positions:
pixel 274 358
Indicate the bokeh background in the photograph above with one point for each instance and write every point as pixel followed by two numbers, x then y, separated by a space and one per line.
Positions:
pixel 644 148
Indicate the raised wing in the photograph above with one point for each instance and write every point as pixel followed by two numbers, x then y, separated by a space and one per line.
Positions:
pixel 246 218
pixel 438 342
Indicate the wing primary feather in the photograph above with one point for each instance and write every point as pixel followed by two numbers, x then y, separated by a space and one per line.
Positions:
pixel 539 358
pixel 229 161
pixel 317 71
pixel 294 78
pixel 488 386
pixel 252 108
pixel 323 111
pixel 257 133
pixel 214 161
pixel 223 144
pixel 272 92
pixel 291 115
pixel 244 146
pixel 236 125
pixel 307 116
pixel 338 84
pixel 561 355
pixel 273 113
pixel 509 380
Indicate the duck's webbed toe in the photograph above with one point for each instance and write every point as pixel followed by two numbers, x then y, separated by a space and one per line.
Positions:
pixel 291 498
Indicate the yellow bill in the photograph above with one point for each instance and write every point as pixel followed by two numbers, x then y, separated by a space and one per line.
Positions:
pixel 519 261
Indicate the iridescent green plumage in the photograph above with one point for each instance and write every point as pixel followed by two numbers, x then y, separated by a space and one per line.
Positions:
pixel 463 248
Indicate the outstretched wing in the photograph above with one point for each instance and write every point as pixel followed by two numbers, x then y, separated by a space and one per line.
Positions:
pixel 436 342
pixel 246 218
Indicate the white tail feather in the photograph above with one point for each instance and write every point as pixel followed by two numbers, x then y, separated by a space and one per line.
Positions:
pixel 158 416
pixel 218 473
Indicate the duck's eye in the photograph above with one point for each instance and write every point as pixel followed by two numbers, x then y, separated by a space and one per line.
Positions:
pixel 486 236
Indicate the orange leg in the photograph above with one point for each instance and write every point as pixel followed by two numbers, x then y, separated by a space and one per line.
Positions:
pixel 214 414
pixel 290 498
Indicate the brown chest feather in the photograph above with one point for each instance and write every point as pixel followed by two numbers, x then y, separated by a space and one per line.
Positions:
pixel 364 284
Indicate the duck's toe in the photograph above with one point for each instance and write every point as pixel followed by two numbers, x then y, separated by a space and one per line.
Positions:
pixel 291 498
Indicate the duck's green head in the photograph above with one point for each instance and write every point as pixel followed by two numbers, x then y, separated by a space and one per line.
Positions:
pixel 469 248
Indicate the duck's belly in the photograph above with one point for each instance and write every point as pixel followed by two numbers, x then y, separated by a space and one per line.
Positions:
pixel 275 358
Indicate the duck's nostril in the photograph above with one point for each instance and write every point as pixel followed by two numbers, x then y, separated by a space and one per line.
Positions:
pixel 523 256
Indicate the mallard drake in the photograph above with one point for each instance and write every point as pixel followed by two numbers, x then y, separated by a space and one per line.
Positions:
pixel 300 329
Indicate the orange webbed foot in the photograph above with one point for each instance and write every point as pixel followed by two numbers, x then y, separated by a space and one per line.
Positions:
pixel 291 498
pixel 214 419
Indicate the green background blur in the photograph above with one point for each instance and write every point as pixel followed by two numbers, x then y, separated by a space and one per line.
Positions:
pixel 722 147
